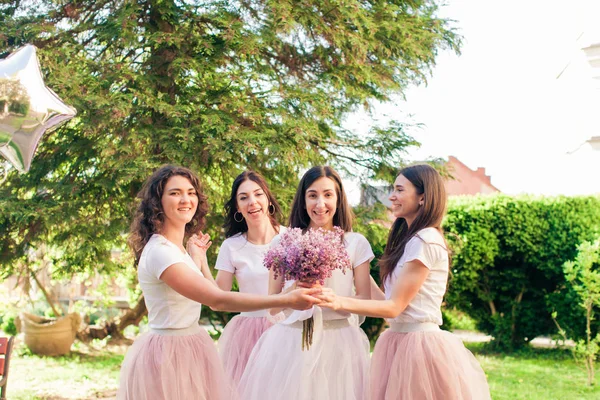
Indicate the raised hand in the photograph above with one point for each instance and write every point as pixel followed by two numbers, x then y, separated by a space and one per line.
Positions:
pixel 198 244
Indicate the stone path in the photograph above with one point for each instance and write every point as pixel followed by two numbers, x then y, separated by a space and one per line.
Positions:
pixel 478 337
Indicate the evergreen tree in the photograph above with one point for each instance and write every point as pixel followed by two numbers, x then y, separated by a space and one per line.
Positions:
pixel 217 86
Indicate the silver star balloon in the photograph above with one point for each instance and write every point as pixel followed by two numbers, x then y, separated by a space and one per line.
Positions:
pixel 28 108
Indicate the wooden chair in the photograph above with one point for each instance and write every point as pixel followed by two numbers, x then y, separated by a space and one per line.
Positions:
pixel 6 345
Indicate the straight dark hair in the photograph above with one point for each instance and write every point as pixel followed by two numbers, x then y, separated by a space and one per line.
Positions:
pixel 299 216
pixel 428 183
pixel 149 216
pixel 233 227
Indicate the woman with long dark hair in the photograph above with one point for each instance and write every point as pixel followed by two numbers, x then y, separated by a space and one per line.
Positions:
pixel 414 359
pixel 177 360
pixel 251 222
pixel 336 364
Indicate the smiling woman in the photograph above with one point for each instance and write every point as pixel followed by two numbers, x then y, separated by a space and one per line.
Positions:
pixel 150 216
pixel 335 365
pixel 175 283
pixel 251 223
pixel 321 203
pixel 405 200
pixel 180 200
pixel 414 359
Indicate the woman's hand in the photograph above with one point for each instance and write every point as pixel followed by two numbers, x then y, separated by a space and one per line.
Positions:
pixel 303 299
pixel 196 247
pixel 198 244
pixel 329 299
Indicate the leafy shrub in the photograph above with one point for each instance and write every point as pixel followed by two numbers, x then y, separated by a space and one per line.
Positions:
pixel 507 262
pixel 7 324
pixel 583 277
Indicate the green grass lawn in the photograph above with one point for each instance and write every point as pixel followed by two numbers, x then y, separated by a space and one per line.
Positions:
pixel 535 373
pixel 92 373
pixel 88 373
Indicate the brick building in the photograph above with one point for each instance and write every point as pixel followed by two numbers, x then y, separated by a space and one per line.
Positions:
pixel 466 181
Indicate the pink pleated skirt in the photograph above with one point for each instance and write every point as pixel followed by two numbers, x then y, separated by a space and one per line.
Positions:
pixel 237 341
pixel 174 365
pixel 335 368
pixel 425 365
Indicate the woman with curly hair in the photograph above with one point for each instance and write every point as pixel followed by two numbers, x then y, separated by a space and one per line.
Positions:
pixel 176 359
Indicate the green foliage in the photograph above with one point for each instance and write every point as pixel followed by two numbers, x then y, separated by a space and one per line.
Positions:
pixel 583 276
pixel 7 324
pixel 457 320
pixel 369 223
pixel 507 262
pixel 373 224
pixel 218 86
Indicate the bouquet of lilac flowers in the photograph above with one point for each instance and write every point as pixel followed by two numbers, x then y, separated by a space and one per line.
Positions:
pixel 310 257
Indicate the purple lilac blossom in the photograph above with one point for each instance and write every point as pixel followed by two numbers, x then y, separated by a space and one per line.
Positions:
pixel 309 256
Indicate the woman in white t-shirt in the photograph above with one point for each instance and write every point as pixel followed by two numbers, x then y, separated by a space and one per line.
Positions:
pixel 251 222
pixel 414 359
pixel 335 366
pixel 177 360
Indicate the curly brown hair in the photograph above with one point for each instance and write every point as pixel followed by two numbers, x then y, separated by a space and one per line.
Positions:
pixel 149 217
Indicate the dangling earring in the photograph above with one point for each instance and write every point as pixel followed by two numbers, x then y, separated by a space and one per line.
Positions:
pixel 234 216
pixel 271 209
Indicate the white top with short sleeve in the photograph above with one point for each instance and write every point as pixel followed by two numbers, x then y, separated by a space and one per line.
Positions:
pixel 359 250
pixel 167 309
pixel 245 261
pixel 427 246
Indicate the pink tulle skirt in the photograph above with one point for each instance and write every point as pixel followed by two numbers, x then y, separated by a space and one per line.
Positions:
pixel 237 341
pixel 335 368
pixel 178 365
pixel 432 365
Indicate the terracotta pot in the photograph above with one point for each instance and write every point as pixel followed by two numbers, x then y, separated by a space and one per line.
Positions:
pixel 49 336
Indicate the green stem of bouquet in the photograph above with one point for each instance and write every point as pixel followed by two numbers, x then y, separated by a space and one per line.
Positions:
pixel 307 333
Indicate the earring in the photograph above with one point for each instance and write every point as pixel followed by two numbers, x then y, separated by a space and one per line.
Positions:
pixel 271 209
pixel 234 216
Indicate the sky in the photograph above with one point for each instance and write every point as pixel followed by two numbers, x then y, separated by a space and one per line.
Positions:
pixel 503 103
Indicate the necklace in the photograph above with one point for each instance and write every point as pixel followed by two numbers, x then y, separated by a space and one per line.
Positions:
pixel 257 244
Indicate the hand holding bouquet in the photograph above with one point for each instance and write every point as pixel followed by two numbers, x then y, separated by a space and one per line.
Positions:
pixel 309 257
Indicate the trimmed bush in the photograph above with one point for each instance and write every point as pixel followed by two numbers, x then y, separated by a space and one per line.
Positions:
pixel 508 254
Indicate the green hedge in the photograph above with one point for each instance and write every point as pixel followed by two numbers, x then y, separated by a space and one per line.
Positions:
pixel 508 254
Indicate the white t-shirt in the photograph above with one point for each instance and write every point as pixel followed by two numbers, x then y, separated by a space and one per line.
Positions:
pixel 245 261
pixel 428 247
pixel 359 250
pixel 167 309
